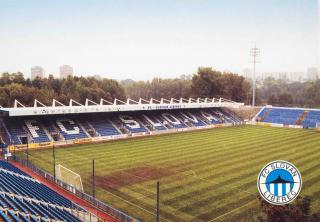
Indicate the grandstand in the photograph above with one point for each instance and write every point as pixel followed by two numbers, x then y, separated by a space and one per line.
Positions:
pixel 24 199
pixel 43 125
pixel 289 117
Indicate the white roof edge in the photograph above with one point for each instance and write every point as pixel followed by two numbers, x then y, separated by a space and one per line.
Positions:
pixel 281 107
pixel 116 107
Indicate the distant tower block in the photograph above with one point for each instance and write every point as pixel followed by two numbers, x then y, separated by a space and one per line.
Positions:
pixel 37 71
pixel 65 71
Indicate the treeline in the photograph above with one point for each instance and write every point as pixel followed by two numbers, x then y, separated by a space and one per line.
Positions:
pixel 15 86
pixel 281 93
pixel 205 83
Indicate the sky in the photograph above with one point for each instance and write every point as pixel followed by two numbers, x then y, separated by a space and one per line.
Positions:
pixel 142 39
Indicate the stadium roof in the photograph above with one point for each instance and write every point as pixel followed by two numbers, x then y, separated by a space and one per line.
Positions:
pixel 117 105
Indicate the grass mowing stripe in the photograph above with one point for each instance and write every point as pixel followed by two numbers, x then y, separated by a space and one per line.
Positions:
pixel 80 162
pixel 231 180
pixel 208 154
pixel 89 152
pixel 237 164
pixel 204 202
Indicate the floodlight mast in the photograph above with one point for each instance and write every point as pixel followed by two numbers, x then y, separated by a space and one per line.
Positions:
pixel 254 53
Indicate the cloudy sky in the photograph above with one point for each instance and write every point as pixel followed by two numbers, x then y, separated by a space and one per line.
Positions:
pixel 142 39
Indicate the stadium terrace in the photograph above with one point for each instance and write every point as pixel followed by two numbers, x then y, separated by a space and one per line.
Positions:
pixel 40 125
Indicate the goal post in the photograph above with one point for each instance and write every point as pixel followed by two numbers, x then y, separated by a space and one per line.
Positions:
pixel 68 176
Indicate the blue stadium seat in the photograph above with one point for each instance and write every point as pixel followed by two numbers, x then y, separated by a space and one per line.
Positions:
pixel 132 124
pixel 4 217
pixel 191 118
pixel 312 119
pixel 172 119
pixel 70 129
pixel 209 116
pixel 282 116
pixel 15 129
pixel 103 127
pixel 28 188
pixel 263 112
pixel 289 116
pixel 7 166
pixel 156 123
pixel 36 131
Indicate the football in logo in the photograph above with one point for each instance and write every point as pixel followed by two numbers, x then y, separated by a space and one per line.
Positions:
pixel 279 182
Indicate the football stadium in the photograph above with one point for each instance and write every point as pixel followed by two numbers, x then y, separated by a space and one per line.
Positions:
pixel 102 162
pixel 160 111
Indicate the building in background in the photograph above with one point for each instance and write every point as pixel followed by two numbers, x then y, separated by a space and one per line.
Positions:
pixel 247 73
pixel 37 71
pixel 312 73
pixel 286 76
pixel 65 71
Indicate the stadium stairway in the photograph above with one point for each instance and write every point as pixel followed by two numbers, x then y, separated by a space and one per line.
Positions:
pixel 219 118
pixel 88 128
pixel 133 125
pixel 283 116
pixel 52 129
pixel 103 127
pixel 302 117
pixel 312 120
pixel 307 118
pixel 202 118
pixel 157 124
pixel 171 119
pixel 232 115
pixel 83 128
pixel 119 125
pixel 264 113
pixel 187 119
pixel 15 129
pixel 4 133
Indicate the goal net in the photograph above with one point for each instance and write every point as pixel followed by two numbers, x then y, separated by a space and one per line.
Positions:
pixel 69 177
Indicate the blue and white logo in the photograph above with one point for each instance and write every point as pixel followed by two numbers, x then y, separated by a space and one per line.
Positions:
pixel 279 182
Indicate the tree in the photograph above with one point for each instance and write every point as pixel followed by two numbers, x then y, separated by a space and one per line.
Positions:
pixel 297 212
pixel 205 83
pixel 285 99
pixel 210 83
pixel 273 99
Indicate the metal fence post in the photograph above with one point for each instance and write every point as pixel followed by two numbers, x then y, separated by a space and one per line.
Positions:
pixel 54 162
pixel 27 152
pixel 158 198
pixel 93 181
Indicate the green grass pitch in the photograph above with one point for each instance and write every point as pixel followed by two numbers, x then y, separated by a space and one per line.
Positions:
pixel 207 175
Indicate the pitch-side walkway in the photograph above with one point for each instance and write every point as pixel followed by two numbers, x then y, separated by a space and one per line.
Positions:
pixel 66 194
